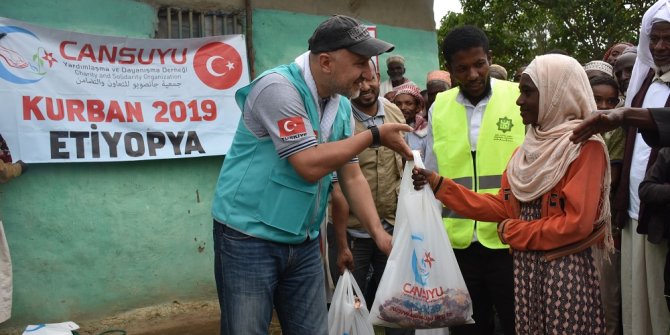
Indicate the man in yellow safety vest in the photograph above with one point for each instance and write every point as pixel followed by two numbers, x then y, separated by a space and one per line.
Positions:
pixel 475 128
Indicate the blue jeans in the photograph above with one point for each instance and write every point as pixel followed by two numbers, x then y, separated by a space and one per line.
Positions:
pixel 253 274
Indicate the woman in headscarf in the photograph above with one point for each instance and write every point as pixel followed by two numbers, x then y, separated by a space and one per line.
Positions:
pixel 408 98
pixel 553 205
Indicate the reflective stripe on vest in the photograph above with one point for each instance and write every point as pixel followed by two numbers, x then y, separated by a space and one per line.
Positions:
pixel 501 131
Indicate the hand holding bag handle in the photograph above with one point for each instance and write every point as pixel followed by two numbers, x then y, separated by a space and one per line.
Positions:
pixel 348 312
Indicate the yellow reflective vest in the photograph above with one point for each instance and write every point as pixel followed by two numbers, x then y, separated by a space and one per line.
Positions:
pixel 500 133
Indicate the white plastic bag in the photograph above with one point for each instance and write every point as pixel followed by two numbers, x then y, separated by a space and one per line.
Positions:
pixel 422 286
pixel 348 314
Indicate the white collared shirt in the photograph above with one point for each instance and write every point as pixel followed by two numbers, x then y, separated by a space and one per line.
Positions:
pixel 475 115
pixel 656 96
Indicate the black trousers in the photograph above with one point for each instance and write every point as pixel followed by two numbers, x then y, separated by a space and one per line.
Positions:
pixel 666 277
pixel 489 277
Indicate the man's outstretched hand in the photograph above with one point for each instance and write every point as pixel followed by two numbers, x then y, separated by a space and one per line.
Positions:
pixel 598 122
pixel 392 138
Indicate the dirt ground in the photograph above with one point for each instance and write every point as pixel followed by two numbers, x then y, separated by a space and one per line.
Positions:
pixel 176 318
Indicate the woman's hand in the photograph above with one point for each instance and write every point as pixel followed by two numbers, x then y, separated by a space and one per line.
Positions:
pixel 422 177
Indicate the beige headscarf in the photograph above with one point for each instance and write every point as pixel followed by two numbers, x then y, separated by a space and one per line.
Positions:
pixel 543 158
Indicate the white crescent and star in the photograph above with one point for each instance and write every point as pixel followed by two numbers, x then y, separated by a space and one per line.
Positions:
pixel 230 65
pixel 286 126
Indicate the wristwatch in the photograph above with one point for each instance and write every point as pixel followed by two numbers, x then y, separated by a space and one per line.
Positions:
pixel 376 138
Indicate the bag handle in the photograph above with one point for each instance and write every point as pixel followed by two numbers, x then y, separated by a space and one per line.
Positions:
pixel 352 288
pixel 418 161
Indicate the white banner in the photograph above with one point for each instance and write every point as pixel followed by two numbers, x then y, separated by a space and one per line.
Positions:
pixel 71 97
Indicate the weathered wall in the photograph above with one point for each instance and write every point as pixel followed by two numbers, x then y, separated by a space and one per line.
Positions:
pixel 110 17
pixel 280 36
pixel 200 5
pixel 90 240
pixel 417 14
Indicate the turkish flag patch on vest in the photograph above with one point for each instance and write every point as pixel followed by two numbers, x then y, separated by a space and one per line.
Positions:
pixel 291 128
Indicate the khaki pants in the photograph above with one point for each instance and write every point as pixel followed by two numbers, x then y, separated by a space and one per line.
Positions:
pixel 644 308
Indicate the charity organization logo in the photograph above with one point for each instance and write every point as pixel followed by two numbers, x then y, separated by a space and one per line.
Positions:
pixel 505 124
pixel 23 59
pixel 421 266
pixel 218 65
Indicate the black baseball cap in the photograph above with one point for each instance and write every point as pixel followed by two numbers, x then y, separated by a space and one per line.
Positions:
pixel 343 32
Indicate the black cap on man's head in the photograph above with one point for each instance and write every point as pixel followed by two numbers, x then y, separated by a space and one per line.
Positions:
pixel 343 32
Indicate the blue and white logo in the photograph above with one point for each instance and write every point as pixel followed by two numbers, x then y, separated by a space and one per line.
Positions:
pixel 23 59
pixel 422 267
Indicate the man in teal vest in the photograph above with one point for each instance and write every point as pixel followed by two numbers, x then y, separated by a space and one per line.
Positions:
pixel 475 128
pixel 270 199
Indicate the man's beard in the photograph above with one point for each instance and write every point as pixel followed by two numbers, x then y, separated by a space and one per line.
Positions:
pixel 487 90
pixel 663 68
pixel 349 91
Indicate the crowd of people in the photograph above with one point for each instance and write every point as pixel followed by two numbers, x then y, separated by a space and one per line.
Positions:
pixel 552 199
pixel 554 182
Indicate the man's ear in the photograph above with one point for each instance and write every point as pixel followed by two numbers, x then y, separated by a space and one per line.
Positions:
pixel 325 62
pixel 489 56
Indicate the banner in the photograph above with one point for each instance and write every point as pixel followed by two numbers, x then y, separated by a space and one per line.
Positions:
pixel 71 97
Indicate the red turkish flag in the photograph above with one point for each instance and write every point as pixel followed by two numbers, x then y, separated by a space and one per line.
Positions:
pixel 291 126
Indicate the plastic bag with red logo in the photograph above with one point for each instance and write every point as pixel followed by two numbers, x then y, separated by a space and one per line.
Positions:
pixel 348 313
pixel 422 286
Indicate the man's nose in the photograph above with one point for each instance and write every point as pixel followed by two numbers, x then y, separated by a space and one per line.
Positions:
pixel 661 44
pixel 472 73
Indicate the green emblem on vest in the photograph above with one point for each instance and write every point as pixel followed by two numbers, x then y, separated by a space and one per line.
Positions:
pixel 505 124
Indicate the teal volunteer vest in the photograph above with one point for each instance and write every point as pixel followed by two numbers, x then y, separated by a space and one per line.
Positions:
pixel 261 195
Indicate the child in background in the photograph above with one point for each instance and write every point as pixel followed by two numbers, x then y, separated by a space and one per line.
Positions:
pixel 606 93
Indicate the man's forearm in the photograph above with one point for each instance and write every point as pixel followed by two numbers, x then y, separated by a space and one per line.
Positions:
pixel 315 162
pixel 340 210
pixel 639 118
pixel 357 192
